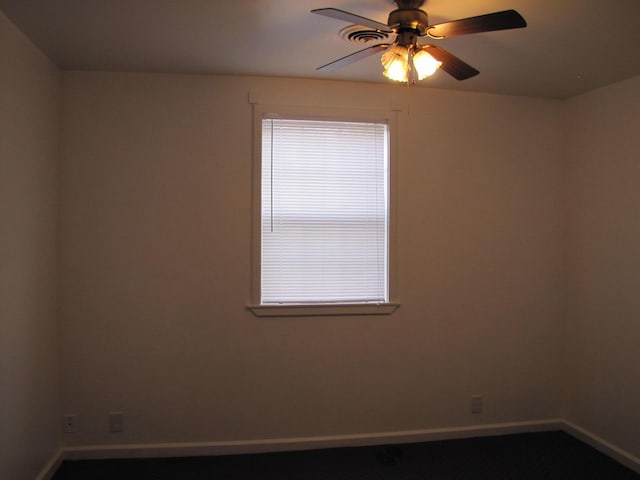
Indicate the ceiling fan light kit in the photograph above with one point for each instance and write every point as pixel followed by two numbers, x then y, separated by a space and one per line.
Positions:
pixel 406 60
pixel 398 61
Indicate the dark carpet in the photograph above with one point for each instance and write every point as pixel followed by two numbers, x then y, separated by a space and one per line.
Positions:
pixel 539 456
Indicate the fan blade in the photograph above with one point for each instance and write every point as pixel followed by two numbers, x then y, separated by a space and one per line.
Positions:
pixel 354 57
pixel 483 23
pixel 352 18
pixel 451 64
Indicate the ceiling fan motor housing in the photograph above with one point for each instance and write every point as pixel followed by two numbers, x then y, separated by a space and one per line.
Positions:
pixel 409 19
pixel 406 4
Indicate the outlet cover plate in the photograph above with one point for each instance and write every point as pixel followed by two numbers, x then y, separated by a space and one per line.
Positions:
pixel 116 422
pixel 476 404
pixel 70 423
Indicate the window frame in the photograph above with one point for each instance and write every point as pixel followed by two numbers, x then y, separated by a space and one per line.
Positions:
pixel 261 111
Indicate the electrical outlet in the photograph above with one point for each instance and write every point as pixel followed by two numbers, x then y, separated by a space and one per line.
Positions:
pixel 116 422
pixel 70 423
pixel 476 403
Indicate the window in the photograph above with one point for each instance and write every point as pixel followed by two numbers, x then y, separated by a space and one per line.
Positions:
pixel 324 223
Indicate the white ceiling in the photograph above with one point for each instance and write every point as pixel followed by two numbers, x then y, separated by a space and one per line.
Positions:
pixel 569 46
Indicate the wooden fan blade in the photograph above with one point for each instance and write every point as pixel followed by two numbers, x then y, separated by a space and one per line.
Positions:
pixel 483 23
pixel 354 57
pixel 451 64
pixel 352 18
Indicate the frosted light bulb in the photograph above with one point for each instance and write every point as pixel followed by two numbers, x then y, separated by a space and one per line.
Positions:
pixel 425 64
pixel 395 62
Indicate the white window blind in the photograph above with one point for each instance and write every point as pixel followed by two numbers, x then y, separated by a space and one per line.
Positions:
pixel 324 212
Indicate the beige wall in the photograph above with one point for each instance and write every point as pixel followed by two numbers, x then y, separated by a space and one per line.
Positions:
pixel 603 331
pixel 155 269
pixel 29 114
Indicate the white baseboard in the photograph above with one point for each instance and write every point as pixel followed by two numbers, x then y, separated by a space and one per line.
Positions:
pixel 52 465
pixel 303 443
pixel 600 444
pixel 235 447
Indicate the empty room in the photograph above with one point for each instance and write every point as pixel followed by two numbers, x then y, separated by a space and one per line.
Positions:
pixel 237 229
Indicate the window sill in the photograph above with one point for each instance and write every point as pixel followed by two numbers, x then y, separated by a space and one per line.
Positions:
pixel 323 310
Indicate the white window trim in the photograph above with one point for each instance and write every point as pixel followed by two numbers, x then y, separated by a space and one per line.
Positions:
pixel 320 113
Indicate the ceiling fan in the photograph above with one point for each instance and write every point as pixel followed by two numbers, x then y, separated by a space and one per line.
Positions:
pixel 406 59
